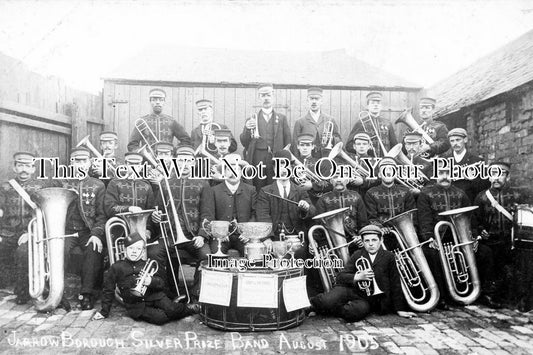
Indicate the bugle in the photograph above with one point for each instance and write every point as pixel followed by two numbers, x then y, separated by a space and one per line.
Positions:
pixel 418 284
pixel 46 243
pixel 458 259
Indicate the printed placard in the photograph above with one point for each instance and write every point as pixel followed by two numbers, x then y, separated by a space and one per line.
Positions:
pixel 215 287
pixel 259 291
pixel 295 293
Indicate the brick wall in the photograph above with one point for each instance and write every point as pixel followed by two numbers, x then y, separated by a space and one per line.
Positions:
pixel 503 130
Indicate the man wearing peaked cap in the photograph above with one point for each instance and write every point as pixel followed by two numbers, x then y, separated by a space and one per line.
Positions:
pixel 412 143
pixel 204 132
pixel 305 147
pixel 15 215
pixel 376 126
pixel 318 124
pixel 164 148
pixel 223 141
pixel 108 145
pixel 164 127
pixel 266 132
pixel 133 158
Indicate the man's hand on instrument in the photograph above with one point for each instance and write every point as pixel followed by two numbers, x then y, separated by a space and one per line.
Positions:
pixel 250 124
pixel 484 234
pixel 434 245
pixel 306 185
pixel 357 180
pixel 148 234
pixel 156 216
pixel 405 314
pixel 198 241
pixel 365 275
pixel 23 239
pixel 98 316
pixel 358 241
pixel 96 167
pixel 475 245
pixel 134 209
pixel 96 244
pixel 415 191
pixel 303 205
pixel 385 230
pixel 147 280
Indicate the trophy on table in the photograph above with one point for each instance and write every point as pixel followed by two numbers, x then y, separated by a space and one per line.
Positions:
pixel 280 248
pixel 220 231
pixel 255 232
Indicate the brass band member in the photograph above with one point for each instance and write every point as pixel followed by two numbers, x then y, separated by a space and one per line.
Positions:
pixel 284 216
pixel 163 126
pixel 86 216
pixel 314 123
pixel 348 300
pixel 384 128
pixel 270 131
pixel 230 200
pixel 15 214
pixel 108 148
pixel 204 108
pixel 223 143
pixel 494 223
pixel 435 129
pixel 363 154
pixel 189 195
pixel 462 156
pixel 439 197
pixel 412 142
pixel 152 307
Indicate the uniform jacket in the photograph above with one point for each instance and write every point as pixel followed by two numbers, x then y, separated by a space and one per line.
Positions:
pixel 334 200
pixel 17 214
pixel 471 187
pixel 386 276
pixel 386 133
pixel 197 138
pixel 269 208
pixel 124 274
pixel 434 199
pixel 87 211
pixel 219 203
pixel 165 129
pixel 384 202
pixel 308 125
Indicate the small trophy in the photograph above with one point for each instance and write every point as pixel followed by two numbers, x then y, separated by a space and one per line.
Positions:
pixel 218 230
pixel 280 249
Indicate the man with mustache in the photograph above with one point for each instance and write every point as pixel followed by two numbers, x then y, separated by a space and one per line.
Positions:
pixel 314 122
pixel 108 147
pixel 463 157
pixel 493 221
pixel 265 135
pixel 384 127
pixel 440 197
pixel 204 109
pixel 15 214
pixel 164 127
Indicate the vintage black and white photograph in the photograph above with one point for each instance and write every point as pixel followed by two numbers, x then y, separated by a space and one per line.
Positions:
pixel 266 177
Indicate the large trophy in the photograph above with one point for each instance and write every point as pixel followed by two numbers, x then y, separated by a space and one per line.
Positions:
pixel 255 232
pixel 218 230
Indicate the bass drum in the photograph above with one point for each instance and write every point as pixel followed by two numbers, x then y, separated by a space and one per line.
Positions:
pixel 523 235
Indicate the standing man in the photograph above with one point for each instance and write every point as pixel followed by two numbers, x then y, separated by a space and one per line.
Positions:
pixel 367 122
pixel 315 123
pixel 86 217
pixel 15 214
pixel 462 156
pixel 435 129
pixel 204 109
pixel 164 127
pixel 265 134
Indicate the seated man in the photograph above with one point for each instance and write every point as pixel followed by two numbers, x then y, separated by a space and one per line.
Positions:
pixel 349 299
pixel 153 306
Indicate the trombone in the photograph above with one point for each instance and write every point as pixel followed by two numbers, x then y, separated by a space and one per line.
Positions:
pixel 366 118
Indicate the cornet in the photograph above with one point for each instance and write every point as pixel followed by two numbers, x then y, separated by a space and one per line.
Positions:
pixel 370 287
pixel 255 131
pixel 150 269
pixel 327 135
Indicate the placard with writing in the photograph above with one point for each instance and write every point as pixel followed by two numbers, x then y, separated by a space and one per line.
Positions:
pixel 260 291
pixel 295 293
pixel 215 287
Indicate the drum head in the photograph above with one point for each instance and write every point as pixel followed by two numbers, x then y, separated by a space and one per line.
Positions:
pixel 331 213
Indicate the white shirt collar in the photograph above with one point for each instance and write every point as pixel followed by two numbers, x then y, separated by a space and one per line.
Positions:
pixel 315 116
pixel 267 113
pixel 286 183
pixel 232 188
pixel 372 257
pixel 459 157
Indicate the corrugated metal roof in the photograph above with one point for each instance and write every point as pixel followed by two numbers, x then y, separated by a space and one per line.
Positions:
pixel 208 65
pixel 498 72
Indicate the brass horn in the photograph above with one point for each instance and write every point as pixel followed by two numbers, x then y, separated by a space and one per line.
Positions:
pixel 418 284
pixel 149 269
pixel 407 118
pixel 308 173
pixel 327 135
pixel 255 131
pixel 207 133
pixel 370 287
pixel 86 142
pixel 458 259
pixel 397 154
pixel 338 151
pixel 46 243
pixel 366 118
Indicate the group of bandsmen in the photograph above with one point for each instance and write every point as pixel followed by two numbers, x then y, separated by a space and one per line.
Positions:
pixel 266 135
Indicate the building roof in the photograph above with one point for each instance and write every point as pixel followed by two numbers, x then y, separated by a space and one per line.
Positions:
pixel 208 65
pixel 498 72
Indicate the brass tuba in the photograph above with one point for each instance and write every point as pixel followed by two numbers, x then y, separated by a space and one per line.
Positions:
pixel 336 248
pixel 458 259
pixel 418 284
pixel 46 243
pixel 407 118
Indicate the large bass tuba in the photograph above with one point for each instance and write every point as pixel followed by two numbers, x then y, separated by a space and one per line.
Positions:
pixel 46 243
pixel 458 259
pixel 336 248
pixel 418 284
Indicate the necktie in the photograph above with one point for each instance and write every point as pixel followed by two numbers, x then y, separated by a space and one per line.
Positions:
pixel 284 191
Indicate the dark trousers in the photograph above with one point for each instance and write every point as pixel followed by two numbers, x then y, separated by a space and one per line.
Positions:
pixel 233 243
pixel 344 302
pixel 8 246
pixel 91 262
pixel 162 311
pixel 21 272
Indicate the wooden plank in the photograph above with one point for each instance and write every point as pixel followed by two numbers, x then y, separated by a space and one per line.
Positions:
pixel 122 118
pixel 229 113
pixel 335 104
pixel 34 123
pixel 344 119
pixel 34 112
pixel 218 107
pixel 240 107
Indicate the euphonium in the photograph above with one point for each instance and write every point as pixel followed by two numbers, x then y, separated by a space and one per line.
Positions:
pixel 338 151
pixel 327 135
pixel 150 269
pixel 308 173
pixel 46 233
pixel 418 284
pixel 397 154
pixel 373 132
pixel 407 118
pixel 336 248
pixel 458 259
pixel 370 287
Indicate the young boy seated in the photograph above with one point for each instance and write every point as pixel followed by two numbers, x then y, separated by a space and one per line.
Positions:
pixel 154 307
pixel 348 301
